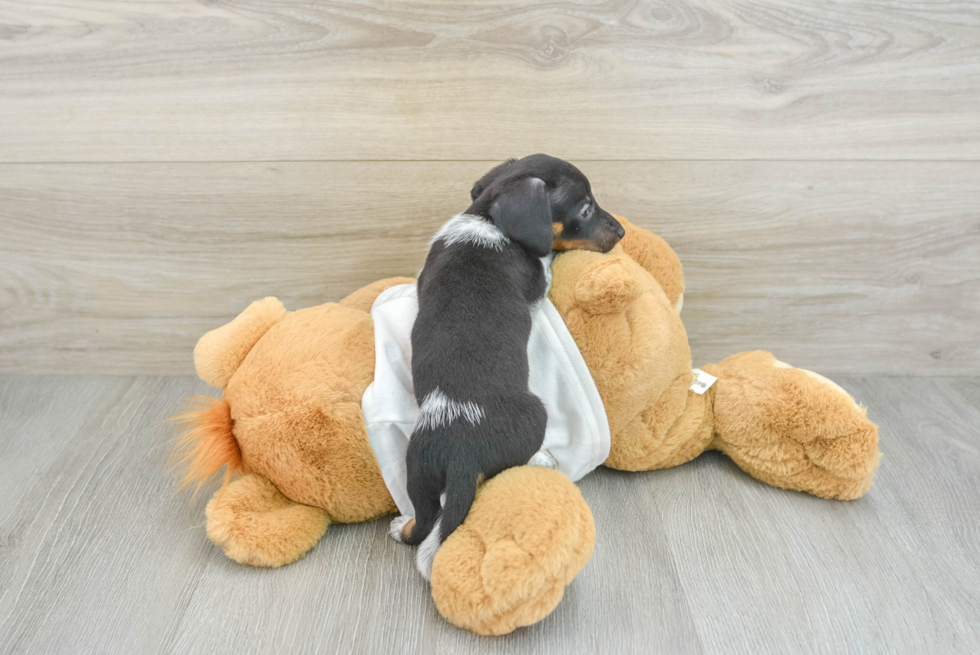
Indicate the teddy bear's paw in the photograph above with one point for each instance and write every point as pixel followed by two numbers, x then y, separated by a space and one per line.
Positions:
pixel 255 524
pixel 793 428
pixel 844 442
pixel 608 286
pixel 525 539
pixel 652 253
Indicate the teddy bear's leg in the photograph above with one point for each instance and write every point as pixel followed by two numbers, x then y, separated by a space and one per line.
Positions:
pixel 526 537
pixel 673 430
pixel 257 525
pixel 792 428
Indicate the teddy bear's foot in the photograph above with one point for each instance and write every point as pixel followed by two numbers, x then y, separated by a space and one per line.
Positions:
pixel 792 428
pixel 255 524
pixel 526 537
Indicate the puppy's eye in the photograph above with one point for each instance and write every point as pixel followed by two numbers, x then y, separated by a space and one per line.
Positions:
pixel 587 210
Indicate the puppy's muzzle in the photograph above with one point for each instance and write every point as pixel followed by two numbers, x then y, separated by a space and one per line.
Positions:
pixel 608 234
pixel 605 235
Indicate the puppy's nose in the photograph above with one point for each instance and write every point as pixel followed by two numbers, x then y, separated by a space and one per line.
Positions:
pixel 620 231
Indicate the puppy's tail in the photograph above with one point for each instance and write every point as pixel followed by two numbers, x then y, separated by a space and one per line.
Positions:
pixel 460 493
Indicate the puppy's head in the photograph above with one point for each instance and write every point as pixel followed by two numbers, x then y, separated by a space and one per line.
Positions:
pixel 544 204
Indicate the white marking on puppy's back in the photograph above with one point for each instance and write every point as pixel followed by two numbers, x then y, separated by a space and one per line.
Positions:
pixel 428 549
pixel 438 410
pixel 468 228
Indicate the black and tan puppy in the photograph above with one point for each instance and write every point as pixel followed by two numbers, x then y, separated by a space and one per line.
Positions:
pixel 485 270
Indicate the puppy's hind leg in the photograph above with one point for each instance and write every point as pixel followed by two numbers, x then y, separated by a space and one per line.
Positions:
pixel 457 500
pixel 424 489
pixel 400 527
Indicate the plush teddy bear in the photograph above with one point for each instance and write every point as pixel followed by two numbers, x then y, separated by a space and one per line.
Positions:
pixel 290 430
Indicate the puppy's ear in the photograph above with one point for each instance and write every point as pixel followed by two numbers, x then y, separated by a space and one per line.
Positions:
pixel 482 184
pixel 522 211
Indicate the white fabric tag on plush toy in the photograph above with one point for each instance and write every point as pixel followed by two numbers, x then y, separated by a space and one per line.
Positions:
pixel 576 439
pixel 702 381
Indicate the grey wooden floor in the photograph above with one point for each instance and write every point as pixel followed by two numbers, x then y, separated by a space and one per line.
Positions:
pixel 98 553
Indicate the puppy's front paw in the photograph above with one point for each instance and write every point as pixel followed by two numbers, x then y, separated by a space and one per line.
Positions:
pixel 400 527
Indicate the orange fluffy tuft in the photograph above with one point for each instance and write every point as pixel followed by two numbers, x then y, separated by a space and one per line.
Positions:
pixel 209 445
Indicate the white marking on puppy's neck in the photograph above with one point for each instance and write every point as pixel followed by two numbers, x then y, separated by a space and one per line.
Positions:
pixel 438 410
pixel 468 228
pixel 546 265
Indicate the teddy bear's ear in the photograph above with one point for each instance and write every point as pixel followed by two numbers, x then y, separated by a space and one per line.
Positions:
pixel 608 286
pixel 221 351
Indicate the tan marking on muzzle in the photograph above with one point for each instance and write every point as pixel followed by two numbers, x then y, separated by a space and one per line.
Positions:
pixel 575 244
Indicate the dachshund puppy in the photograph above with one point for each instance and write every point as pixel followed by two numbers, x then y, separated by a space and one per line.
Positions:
pixel 485 270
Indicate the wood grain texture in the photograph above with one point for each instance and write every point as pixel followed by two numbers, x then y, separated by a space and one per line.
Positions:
pixel 896 567
pixel 98 553
pixel 613 79
pixel 855 267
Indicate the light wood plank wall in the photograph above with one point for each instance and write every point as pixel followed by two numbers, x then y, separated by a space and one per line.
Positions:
pixel 816 165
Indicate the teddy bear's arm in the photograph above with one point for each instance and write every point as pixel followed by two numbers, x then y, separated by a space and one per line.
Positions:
pixel 652 253
pixel 364 297
pixel 608 286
